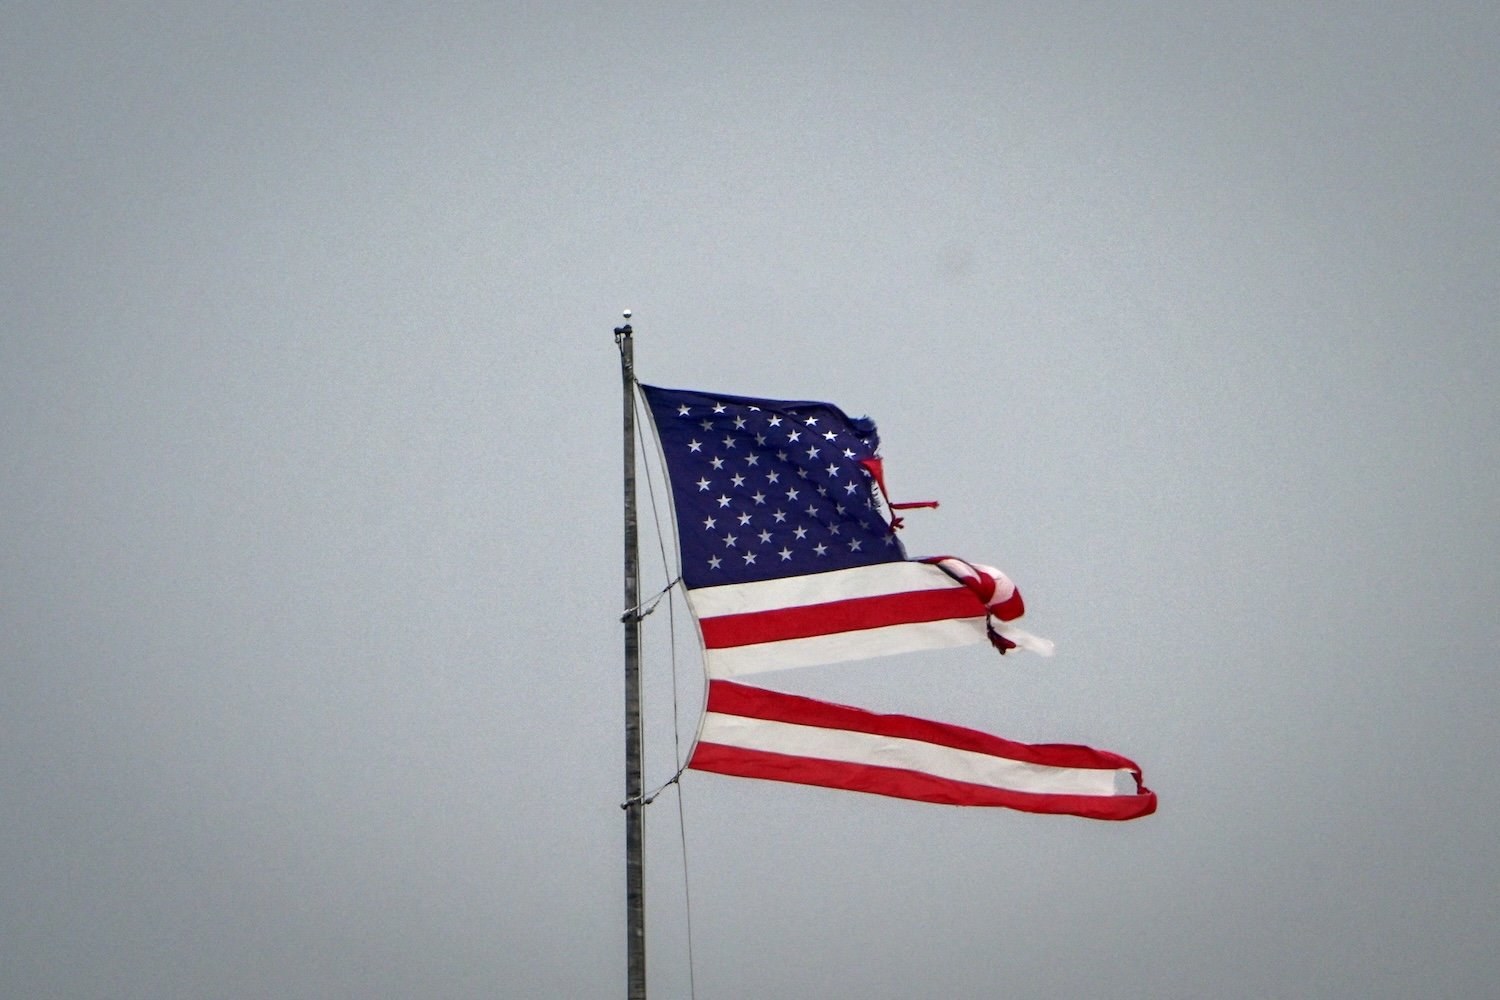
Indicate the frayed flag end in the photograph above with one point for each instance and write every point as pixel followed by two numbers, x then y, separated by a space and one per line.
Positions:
pixel 1025 640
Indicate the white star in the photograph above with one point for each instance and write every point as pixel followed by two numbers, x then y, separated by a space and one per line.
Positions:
pixel 822 491
pixel 752 459
pixel 765 537
pixel 739 423
pixel 794 437
pixel 682 411
pixel 718 407
pixel 833 470
pixel 737 479
pixel 854 545
pixel 812 453
pixel 759 498
pixel 716 462
pixel 801 532
pixel 713 562
pixel 749 558
pixel 812 511
pixel 829 435
pixel 781 456
pixel 703 485
pixel 744 519
pixel 706 424
pixel 753 409
pixel 820 549
pixel 840 508
pixel 760 439
pixel 723 500
pixel 833 529
pixel 729 541
pixel 709 524
pixel 850 488
pixel 779 515
pixel 729 442
pixel 785 554
pixel 849 453
pixel 773 477
pixel 792 494
pixel 811 421
pixel 774 421
pixel 695 445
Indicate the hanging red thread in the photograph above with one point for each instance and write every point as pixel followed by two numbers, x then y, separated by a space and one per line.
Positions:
pixel 877 472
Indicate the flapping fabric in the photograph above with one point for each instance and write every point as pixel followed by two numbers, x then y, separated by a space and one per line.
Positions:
pixel 756 733
pixel 787 557
pixel 789 560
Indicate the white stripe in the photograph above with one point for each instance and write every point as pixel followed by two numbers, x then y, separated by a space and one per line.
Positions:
pixel 737 661
pixel 818 588
pixel 912 755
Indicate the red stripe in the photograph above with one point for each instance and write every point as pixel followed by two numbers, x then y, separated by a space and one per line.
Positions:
pixel 903 784
pixel 728 698
pixel 983 585
pixel 832 617
pixel 1009 609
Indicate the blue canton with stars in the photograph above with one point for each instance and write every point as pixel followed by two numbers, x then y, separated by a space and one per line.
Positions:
pixel 766 488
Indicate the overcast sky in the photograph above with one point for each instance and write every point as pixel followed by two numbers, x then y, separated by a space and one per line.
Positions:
pixel 310 662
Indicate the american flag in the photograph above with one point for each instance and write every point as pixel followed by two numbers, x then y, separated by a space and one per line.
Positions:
pixel 788 556
pixel 789 559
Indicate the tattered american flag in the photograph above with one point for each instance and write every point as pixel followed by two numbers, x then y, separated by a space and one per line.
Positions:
pixel 787 556
pixel 788 560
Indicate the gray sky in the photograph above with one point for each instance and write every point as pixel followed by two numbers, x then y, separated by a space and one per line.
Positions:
pixel 309 474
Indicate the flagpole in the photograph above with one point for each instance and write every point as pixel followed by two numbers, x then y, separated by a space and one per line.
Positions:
pixel 635 876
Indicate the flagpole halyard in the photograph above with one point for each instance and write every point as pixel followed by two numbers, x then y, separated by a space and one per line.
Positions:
pixel 634 805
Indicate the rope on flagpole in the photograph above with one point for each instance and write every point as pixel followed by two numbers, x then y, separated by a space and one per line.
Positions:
pixel 646 800
pixel 641 610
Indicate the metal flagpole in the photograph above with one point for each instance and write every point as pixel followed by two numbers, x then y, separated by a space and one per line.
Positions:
pixel 635 874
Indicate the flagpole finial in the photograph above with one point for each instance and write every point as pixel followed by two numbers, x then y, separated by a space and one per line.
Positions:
pixel 623 331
